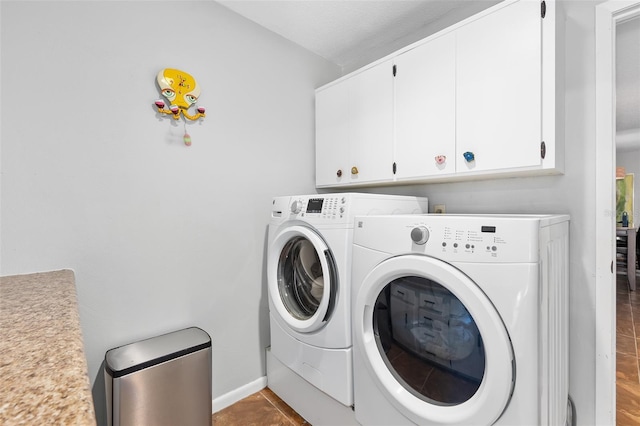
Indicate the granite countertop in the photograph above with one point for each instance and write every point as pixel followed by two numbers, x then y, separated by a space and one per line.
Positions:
pixel 43 369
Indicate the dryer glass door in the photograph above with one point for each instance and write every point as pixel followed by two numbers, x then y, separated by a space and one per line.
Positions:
pixel 429 340
pixel 302 281
pixel 434 342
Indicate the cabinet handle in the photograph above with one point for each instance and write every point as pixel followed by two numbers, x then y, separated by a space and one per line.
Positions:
pixel 339 173
pixel 468 156
pixel 440 159
pixel 354 170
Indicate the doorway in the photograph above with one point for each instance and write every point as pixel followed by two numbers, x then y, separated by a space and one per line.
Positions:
pixel 608 15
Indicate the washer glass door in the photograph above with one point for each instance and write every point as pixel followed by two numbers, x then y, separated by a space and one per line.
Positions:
pixel 302 279
pixel 434 342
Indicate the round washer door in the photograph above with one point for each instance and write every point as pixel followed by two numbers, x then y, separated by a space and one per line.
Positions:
pixel 302 280
pixel 433 342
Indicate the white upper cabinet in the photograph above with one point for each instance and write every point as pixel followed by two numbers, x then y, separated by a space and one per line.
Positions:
pixel 498 89
pixel 332 135
pixel 425 109
pixel 354 129
pixel 371 135
pixel 480 99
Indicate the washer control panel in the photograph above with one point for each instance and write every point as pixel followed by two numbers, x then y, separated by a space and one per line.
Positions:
pixel 340 209
pixel 323 207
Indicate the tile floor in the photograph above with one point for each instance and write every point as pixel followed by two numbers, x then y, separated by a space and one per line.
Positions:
pixel 627 351
pixel 265 408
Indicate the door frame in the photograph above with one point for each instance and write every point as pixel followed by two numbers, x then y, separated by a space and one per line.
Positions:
pixel 607 15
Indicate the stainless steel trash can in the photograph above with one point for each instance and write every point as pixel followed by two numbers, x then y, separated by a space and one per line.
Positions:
pixel 165 380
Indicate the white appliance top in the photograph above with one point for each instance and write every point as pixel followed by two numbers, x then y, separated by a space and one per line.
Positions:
pixel 341 208
pixel 457 238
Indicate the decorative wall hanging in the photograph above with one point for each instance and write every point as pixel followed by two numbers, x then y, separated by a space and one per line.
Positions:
pixel 182 91
pixel 624 200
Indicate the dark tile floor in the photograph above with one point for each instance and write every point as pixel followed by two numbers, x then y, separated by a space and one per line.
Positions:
pixel 265 408
pixel 627 351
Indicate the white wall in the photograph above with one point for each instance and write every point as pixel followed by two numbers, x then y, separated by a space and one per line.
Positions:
pixel 161 236
pixel 628 104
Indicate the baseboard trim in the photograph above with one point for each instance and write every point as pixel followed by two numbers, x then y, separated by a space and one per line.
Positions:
pixel 236 395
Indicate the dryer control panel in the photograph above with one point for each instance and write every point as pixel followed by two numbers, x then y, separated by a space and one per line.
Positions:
pixel 457 238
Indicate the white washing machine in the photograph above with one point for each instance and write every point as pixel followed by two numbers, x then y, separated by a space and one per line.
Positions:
pixel 461 320
pixel 308 275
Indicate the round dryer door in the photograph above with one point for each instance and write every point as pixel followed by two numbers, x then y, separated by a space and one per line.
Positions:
pixel 301 278
pixel 433 342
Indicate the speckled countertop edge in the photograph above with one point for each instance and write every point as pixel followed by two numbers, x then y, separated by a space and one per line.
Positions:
pixel 43 369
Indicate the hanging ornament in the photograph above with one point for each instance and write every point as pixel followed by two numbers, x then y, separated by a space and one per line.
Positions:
pixel 186 138
pixel 182 91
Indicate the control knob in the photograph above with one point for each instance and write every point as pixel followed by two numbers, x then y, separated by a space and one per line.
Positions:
pixel 420 235
pixel 296 206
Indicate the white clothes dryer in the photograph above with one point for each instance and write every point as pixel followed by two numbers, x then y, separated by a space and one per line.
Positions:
pixel 308 276
pixel 461 320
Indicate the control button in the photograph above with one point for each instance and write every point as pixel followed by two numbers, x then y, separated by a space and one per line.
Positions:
pixel 455 245
pixel 468 246
pixel 494 248
pixel 420 235
pixel 296 206
pixel 444 244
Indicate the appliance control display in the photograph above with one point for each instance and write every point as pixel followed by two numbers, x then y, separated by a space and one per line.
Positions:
pixel 315 205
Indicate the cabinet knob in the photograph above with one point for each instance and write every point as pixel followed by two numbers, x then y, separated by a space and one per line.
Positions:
pixel 468 156
pixel 440 159
pixel 339 173
pixel 354 170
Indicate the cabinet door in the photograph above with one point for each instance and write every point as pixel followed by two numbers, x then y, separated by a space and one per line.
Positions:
pixel 425 109
pixel 499 89
pixel 371 118
pixel 332 135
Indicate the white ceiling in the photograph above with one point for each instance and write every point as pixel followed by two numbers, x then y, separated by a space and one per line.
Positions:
pixel 353 33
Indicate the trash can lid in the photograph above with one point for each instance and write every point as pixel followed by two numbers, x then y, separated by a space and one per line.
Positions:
pixel 136 356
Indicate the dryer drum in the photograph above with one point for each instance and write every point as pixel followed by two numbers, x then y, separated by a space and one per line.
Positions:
pixel 300 278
